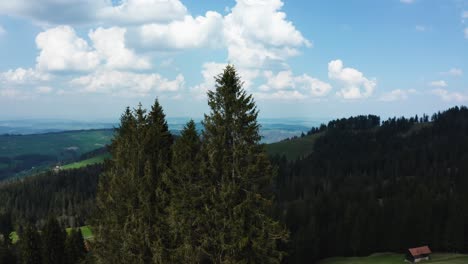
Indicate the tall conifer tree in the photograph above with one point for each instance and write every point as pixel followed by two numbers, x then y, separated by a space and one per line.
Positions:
pixel 186 203
pixel 30 246
pixel 74 247
pixel 53 240
pixel 241 227
pixel 130 223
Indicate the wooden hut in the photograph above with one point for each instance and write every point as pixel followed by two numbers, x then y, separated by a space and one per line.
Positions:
pixel 415 255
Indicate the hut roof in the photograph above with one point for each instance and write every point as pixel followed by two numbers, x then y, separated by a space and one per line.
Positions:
pixel 420 251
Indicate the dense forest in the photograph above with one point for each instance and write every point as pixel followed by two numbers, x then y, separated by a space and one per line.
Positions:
pixel 66 194
pixel 372 186
pixel 367 186
pixel 51 245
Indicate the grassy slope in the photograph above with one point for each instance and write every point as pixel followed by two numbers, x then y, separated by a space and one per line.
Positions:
pixel 85 231
pixel 54 143
pixel 30 154
pixel 294 148
pixel 391 258
pixel 84 163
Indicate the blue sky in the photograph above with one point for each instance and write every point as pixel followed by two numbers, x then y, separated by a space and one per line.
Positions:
pixel 88 59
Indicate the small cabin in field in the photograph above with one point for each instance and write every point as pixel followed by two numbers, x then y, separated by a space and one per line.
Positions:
pixel 415 255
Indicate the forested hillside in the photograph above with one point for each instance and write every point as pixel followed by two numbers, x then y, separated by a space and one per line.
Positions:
pixel 371 186
pixel 22 155
pixel 366 186
pixel 66 194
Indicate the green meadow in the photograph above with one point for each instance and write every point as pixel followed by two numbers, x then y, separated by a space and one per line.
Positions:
pixel 294 148
pixel 54 144
pixel 86 162
pixel 85 231
pixel 393 258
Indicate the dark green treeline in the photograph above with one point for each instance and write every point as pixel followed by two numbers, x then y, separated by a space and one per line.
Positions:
pixel 203 199
pixel 372 186
pixel 51 245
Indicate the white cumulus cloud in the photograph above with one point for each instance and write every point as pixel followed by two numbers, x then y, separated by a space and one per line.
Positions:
pixel 212 69
pixel 209 71
pixel 282 80
pixel 354 84
pixel 315 87
pixel 257 33
pixel 142 11
pixel 280 95
pixel 285 80
pixel 21 75
pixel 53 11
pixel 190 32
pixel 61 49
pixel 127 83
pixel 440 83
pixel 72 12
pixel 450 96
pixel 110 46
pixel 456 72
pixel 397 95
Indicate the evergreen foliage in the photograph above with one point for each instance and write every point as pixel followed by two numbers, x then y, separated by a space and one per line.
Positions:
pixel 130 224
pixel 68 194
pixel 187 197
pixel 30 246
pixel 7 250
pixel 239 203
pixel 74 247
pixel 53 239
pixel 370 187
pixel 194 201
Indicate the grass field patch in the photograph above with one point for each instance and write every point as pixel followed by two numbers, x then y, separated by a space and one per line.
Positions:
pixel 85 231
pixel 393 258
pixel 84 163
pixel 294 148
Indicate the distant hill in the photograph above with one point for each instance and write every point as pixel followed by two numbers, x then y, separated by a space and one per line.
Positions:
pixel 41 126
pixel 31 146
pixel 26 154
pixel 294 148
pixel 272 129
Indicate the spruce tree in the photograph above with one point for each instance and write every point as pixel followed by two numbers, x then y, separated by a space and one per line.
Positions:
pixel 130 223
pixel 30 246
pixel 6 247
pixel 74 247
pixel 53 241
pixel 241 229
pixel 186 200
pixel 115 193
pixel 7 250
pixel 154 191
pixel 6 225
